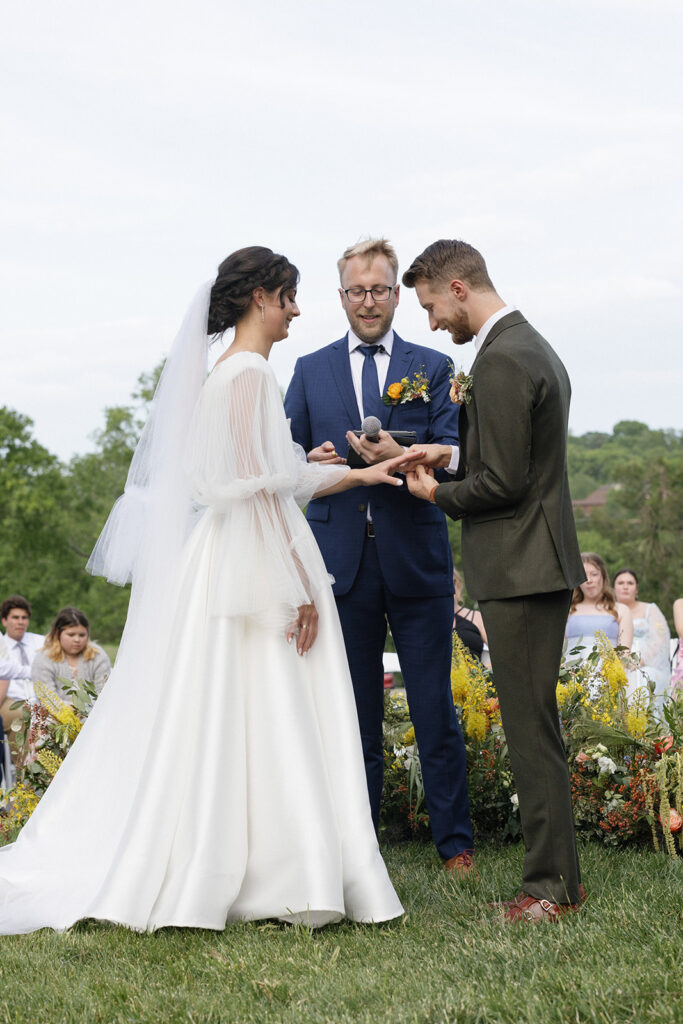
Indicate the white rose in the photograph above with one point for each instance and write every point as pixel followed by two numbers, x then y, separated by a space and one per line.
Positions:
pixel 514 800
pixel 606 764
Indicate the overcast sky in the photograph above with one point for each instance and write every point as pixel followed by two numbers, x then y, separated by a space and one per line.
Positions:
pixel 144 141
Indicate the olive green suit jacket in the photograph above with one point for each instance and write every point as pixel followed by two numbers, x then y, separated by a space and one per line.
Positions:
pixel 511 489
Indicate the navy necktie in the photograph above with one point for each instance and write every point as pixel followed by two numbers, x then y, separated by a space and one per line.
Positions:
pixel 372 400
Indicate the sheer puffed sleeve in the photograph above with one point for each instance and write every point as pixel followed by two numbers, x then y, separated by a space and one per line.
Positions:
pixel 243 466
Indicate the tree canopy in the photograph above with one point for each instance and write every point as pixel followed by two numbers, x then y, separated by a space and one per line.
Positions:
pixel 51 513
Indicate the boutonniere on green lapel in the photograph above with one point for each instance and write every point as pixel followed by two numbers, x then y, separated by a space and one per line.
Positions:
pixel 406 390
pixel 461 387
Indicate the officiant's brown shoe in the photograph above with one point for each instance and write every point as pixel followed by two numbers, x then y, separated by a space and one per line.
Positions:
pixel 462 865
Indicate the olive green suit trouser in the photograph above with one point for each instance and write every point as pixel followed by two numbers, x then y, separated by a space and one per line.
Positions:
pixel 525 636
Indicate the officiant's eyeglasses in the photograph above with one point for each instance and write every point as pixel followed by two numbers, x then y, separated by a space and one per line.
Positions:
pixel 380 293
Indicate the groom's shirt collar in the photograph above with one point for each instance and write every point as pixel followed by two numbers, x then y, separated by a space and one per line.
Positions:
pixel 481 337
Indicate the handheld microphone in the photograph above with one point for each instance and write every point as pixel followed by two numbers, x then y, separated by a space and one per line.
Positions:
pixel 371 427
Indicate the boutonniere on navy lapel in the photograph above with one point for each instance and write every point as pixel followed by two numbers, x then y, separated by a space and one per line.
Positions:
pixel 461 386
pixel 406 390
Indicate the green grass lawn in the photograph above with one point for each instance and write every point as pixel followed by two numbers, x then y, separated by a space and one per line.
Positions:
pixel 450 959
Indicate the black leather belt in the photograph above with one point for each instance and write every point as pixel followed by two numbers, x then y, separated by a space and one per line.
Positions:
pixel 370 529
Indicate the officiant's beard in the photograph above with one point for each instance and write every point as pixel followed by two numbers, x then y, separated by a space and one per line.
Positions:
pixel 370 333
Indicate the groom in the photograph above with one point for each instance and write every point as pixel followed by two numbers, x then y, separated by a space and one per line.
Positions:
pixel 520 552
pixel 388 552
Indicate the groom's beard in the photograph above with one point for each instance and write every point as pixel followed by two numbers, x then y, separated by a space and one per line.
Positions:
pixel 461 331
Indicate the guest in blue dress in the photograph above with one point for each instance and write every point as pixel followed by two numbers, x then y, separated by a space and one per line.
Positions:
pixel 594 607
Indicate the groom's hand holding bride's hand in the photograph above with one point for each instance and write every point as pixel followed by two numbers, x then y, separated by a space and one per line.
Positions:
pixel 382 473
pixel 437 456
pixel 421 482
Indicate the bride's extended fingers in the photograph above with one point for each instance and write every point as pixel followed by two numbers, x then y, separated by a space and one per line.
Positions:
pixel 404 459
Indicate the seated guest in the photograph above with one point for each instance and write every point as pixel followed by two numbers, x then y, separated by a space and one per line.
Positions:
pixel 594 607
pixel 467 623
pixel 651 638
pixel 17 650
pixel 677 668
pixel 69 654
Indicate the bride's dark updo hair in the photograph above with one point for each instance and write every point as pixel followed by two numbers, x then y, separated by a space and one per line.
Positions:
pixel 238 275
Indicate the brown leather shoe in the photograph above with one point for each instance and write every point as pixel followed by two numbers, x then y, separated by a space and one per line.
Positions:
pixel 462 865
pixel 530 910
pixel 501 904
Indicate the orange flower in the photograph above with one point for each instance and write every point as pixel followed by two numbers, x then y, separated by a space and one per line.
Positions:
pixel 454 392
pixel 395 391
pixel 492 706
pixel 675 821
pixel 582 757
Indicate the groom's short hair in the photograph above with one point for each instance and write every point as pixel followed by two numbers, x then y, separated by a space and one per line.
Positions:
pixel 370 247
pixel 448 260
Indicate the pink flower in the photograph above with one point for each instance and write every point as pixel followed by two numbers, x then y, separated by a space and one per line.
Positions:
pixel 675 820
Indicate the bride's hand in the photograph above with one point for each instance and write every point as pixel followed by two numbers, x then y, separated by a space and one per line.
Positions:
pixel 382 472
pixel 305 628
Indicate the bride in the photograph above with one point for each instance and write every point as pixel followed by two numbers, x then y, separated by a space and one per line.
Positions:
pixel 219 775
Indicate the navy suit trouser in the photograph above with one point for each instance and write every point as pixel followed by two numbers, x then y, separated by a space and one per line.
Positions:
pixel 421 628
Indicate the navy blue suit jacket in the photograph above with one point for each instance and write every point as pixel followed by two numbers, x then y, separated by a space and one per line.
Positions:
pixel 410 534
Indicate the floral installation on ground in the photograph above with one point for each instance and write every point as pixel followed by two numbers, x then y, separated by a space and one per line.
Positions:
pixel 407 390
pixel 625 764
pixel 44 734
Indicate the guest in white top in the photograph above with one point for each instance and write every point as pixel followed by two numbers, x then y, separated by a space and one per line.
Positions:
pixel 69 655
pixel 651 639
pixel 18 648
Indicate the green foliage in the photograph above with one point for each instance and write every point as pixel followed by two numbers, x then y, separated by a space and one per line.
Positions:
pixel 642 523
pixel 449 960
pixel 51 514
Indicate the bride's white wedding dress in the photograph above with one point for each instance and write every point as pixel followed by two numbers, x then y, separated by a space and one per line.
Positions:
pixel 219 776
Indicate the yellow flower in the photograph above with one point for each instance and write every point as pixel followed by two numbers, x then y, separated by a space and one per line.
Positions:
pixel 58 708
pixel 476 724
pixel 459 683
pixel 50 762
pixel 395 391
pixel 469 687
pixel 636 714
pixel 409 737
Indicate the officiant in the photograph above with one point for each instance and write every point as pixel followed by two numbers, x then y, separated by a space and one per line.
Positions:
pixel 388 552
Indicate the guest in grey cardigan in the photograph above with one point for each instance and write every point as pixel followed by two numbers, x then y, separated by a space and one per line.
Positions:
pixel 68 655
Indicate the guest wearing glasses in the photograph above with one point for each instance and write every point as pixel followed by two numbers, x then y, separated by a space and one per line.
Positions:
pixel 388 552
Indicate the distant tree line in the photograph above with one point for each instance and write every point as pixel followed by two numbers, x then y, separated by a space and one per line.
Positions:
pixel 51 512
pixel 640 525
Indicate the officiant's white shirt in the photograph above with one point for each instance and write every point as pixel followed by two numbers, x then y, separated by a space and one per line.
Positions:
pixel 356 358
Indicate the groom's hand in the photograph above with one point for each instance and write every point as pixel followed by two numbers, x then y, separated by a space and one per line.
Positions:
pixel 437 456
pixel 326 454
pixel 371 452
pixel 421 482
